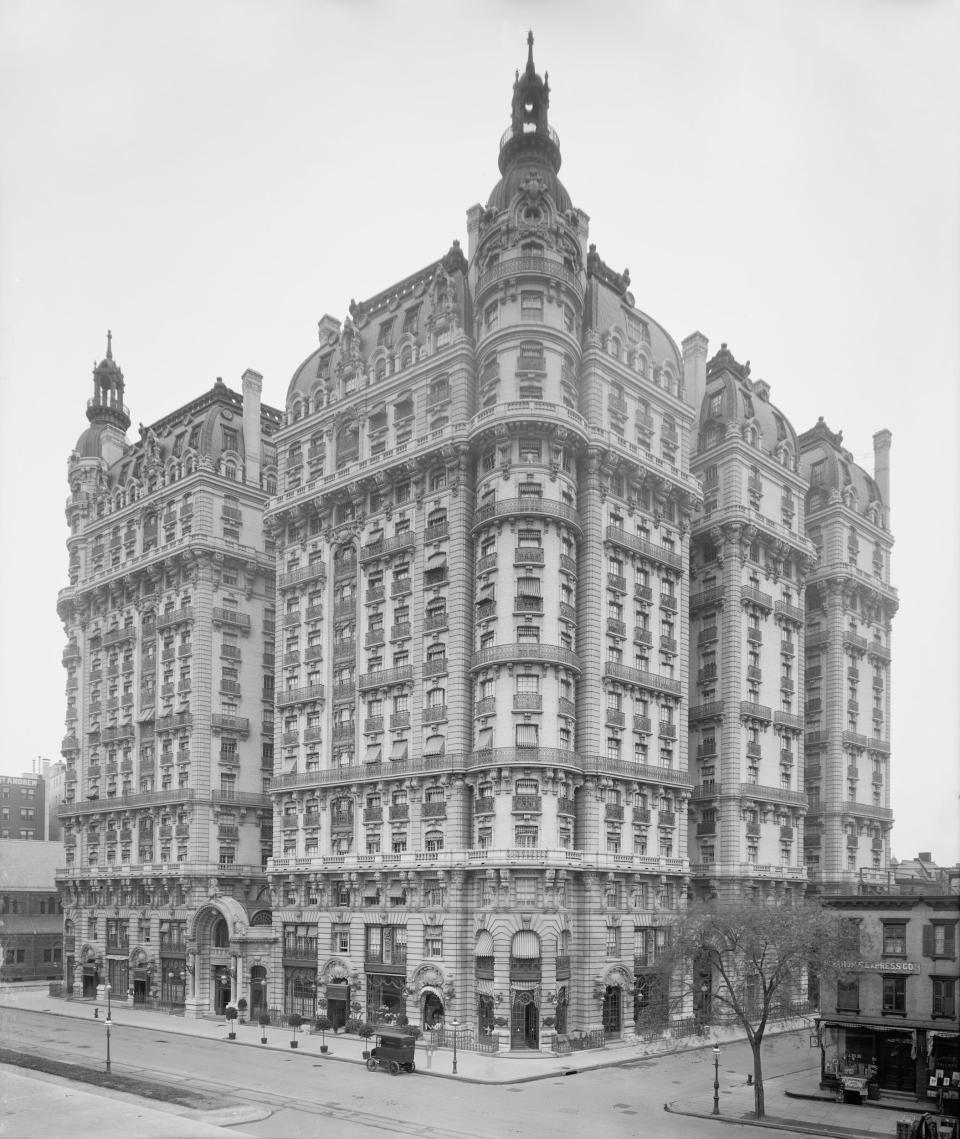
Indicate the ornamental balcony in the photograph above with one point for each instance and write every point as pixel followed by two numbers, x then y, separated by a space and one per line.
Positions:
pixel 230 723
pixel 751 594
pixel 644 679
pixel 525 651
pixel 387 546
pixel 530 804
pixel 613 812
pixel 300 695
pixel 299 574
pixel 529 506
pixel 433 811
pixel 399 811
pixel 525 969
pixel 711 596
pixel 527 556
pixel 618 536
pixel 791 612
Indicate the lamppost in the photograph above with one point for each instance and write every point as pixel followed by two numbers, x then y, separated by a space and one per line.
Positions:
pixel 716 1079
pixel 107 1026
pixel 454 1024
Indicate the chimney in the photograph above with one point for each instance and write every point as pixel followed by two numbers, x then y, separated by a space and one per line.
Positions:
pixel 695 369
pixel 881 470
pixel 252 387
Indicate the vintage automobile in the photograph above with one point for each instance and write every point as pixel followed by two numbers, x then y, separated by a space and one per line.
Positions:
pixel 393 1050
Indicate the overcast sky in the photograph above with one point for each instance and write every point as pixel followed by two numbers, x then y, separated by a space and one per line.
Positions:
pixel 207 179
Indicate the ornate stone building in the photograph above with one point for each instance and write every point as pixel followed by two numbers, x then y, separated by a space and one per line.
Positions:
pixel 749 560
pixel 169 747
pixel 850 607
pixel 437 615
pixel 481 790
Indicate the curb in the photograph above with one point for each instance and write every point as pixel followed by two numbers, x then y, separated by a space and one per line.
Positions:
pixel 776 1124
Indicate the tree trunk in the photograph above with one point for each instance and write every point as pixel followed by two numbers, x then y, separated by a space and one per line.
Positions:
pixel 758 1103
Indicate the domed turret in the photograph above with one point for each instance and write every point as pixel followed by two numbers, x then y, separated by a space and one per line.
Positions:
pixel 530 148
pixel 107 404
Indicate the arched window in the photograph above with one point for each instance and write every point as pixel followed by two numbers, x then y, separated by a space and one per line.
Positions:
pixel 433 840
pixel 221 934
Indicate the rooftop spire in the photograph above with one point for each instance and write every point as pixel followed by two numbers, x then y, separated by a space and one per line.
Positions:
pixel 109 344
pixel 529 129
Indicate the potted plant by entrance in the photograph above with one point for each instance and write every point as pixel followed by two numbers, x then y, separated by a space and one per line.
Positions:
pixel 263 1020
pixel 231 1013
pixel 294 1020
pixel 365 1031
pixel 242 1007
pixel 323 1023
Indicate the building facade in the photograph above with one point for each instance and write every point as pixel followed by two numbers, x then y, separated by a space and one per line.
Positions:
pixel 749 560
pixel 481 790
pixel 850 607
pixel 23 808
pixel 389 705
pixel 169 743
pixel 894 1008
pixel 31 917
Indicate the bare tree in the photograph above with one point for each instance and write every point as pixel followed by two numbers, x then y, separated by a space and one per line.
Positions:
pixel 758 955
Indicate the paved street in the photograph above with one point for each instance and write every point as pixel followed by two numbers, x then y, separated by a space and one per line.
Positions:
pixel 299 1093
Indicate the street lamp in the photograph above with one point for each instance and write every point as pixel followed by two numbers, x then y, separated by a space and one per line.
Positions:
pixel 716 1079
pixel 454 1024
pixel 107 1026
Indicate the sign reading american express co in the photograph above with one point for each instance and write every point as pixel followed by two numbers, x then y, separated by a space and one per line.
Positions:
pixel 879 966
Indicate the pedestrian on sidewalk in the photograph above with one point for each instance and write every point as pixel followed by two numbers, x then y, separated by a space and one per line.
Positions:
pixel 926 1127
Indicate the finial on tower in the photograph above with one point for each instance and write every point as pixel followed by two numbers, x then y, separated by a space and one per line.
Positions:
pixel 109 344
pixel 531 70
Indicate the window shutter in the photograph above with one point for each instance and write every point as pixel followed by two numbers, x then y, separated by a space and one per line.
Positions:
pixel 928 940
pixel 950 941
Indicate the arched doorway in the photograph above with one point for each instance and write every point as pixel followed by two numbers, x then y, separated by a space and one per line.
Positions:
pixel 612 1013
pixel 258 991
pixel 431 1012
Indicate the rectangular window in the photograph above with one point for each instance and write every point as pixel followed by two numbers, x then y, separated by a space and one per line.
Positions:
pixel 940 940
pixel 894 939
pixel 895 995
pixel 531 306
pixel 944 997
pixel 848 995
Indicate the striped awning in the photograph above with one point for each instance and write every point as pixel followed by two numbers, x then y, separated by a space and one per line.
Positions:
pixel 484 946
pixel 525 944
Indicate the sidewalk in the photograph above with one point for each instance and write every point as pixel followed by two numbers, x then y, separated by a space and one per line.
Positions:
pixel 501 1068
pixel 798 1103
pixel 793 1103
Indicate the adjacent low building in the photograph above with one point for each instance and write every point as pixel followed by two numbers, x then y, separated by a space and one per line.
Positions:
pixel 894 1007
pixel 31 918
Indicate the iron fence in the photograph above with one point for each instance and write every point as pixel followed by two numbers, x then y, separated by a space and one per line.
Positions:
pixel 563 1043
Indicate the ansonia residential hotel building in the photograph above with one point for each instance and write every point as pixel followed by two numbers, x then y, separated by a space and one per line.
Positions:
pixel 438 692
